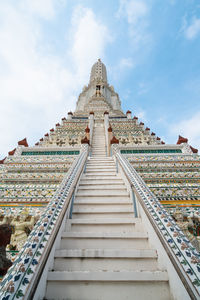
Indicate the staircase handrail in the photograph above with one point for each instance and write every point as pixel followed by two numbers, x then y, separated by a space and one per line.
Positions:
pixel 181 252
pixel 91 126
pixel 106 125
pixel 28 266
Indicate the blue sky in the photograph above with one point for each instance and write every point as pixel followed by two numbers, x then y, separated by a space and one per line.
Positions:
pixel 151 49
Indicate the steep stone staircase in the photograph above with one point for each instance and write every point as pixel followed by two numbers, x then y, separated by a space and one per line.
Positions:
pixel 104 251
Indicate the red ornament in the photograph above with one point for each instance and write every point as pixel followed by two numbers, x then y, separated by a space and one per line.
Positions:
pixel 2 161
pixel 87 129
pixel 194 150
pixel 12 152
pixel 23 143
pixel 181 140
pixel 114 140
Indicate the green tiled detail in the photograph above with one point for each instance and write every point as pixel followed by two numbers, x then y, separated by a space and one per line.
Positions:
pixel 50 152
pixel 151 151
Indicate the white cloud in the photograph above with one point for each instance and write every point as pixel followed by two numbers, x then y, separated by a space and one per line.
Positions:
pixel 38 87
pixel 43 8
pixel 136 13
pixel 189 128
pixel 126 63
pixel 89 38
pixel 193 29
pixel 134 10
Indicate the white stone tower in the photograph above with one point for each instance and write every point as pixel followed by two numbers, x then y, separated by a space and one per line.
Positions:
pixel 98 96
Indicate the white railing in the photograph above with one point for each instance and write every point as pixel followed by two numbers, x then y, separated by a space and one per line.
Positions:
pixel 182 254
pixel 91 126
pixel 106 126
pixel 30 262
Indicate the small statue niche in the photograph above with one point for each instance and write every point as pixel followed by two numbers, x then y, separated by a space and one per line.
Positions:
pixel 23 225
pixel 98 90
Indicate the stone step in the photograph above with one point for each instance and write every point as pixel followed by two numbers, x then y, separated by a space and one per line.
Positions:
pixel 104 235
pixel 106 159
pixel 95 240
pixel 104 221
pixel 101 177
pixel 103 198
pixel 99 156
pixel 115 180
pixel 91 285
pixel 109 259
pixel 108 253
pixel 105 225
pixel 97 193
pixel 101 182
pixel 100 172
pixel 103 276
pixel 102 209
pixel 103 201
pixel 105 186
pixel 81 207
pixel 101 215
pixel 124 228
pixel 100 164
pixel 100 167
pixel 98 153
pixel 97 160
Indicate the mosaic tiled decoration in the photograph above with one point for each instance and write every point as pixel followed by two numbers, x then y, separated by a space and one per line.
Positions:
pixel 130 132
pixel 179 244
pixel 18 277
pixel 149 151
pixel 50 152
pixel 68 133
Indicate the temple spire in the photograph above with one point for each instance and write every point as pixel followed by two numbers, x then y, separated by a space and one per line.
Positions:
pixel 98 72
